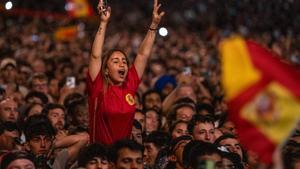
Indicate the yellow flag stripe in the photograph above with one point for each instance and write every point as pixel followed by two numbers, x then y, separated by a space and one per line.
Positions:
pixel 274 112
pixel 238 73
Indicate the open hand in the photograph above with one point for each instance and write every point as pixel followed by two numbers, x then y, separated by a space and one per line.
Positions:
pixel 104 11
pixel 156 15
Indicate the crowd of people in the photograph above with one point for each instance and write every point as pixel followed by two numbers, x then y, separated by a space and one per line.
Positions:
pixel 179 118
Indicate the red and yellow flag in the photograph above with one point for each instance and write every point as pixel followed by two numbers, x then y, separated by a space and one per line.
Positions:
pixel 66 33
pixel 263 95
pixel 79 8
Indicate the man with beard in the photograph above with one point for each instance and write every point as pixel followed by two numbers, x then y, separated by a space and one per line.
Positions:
pixel 56 115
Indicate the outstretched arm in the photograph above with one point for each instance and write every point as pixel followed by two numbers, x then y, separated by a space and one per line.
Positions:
pixel 146 46
pixel 95 58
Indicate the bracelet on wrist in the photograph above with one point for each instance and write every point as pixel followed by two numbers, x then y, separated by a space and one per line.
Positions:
pixel 152 29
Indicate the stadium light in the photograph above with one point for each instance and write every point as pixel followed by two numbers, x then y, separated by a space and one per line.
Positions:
pixel 8 5
pixel 163 31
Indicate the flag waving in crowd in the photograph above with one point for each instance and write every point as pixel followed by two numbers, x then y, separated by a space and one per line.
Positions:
pixel 262 93
pixel 79 8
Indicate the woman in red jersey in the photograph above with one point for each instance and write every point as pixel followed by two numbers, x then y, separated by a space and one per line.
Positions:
pixel 112 83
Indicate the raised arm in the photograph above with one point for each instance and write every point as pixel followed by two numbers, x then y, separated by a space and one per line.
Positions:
pixel 144 50
pixel 96 54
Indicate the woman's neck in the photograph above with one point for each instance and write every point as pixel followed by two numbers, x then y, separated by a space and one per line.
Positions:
pixel 112 83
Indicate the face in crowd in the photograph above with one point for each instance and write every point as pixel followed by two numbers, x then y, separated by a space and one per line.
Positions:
pixel 184 113
pixel 150 153
pixel 180 129
pixel 39 144
pixel 152 121
pixel 116 68
pixel 40 85
pixel 21 164
pixel 233 146
pixel 152 101
pixel 8 136
pixel 204 131
pixel 57 118
pixel 140 117
pixel 129 159
pixel 17 160
pixel 178 152
pixel 97 163
pixel 8 110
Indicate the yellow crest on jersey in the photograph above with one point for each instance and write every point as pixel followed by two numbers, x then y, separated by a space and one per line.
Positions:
pixel 130 99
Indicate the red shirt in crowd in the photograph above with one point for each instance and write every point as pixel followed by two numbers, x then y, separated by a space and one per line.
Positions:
pixel 111 111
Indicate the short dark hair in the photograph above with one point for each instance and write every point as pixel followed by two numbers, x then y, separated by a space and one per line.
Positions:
pixel 158 138
pixel 223 137
pixel 38 125
pixel 37 94
pixel 29 107
pixel 290 158
pixel 51 106
pixel 73 97
pixel 175 141
pixel 9 126
pixel 226 136
pixel 93 150
pixel 74 107
pixel 11 156
pixel 205 106
pixel 158 113
pixel 122 144
pixel 185 100
pixel 140 111
pixel 199 119
pixel 172 127
pixel 148 92
pixel 200 149
pixel 234 158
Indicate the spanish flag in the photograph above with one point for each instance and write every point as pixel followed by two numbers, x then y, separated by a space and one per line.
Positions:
pixel 66 33
pixel 79 8
pixel 263 95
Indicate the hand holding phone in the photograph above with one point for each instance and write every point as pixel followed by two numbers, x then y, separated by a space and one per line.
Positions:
pixel 71 82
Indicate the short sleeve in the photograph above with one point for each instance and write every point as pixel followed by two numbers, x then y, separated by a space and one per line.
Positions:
pixel 94 86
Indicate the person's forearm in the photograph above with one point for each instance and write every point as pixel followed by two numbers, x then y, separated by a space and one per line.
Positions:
pixel 144 50
pixel 96 54
pixel 168 102
pixel 98 42
pixel 70 140
pixel 146 45
pixel 204 91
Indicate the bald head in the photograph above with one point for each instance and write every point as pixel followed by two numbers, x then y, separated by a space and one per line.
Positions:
pixel 8 110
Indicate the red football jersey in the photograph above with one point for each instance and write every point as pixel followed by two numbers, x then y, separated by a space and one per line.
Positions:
pixel 111 112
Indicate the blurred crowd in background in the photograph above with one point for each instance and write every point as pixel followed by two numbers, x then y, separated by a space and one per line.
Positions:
pixel 180 89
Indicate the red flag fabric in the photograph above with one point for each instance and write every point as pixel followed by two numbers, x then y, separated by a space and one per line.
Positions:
pixel 263 95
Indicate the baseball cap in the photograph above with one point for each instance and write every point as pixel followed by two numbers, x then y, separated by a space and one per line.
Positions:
pixel 8 61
